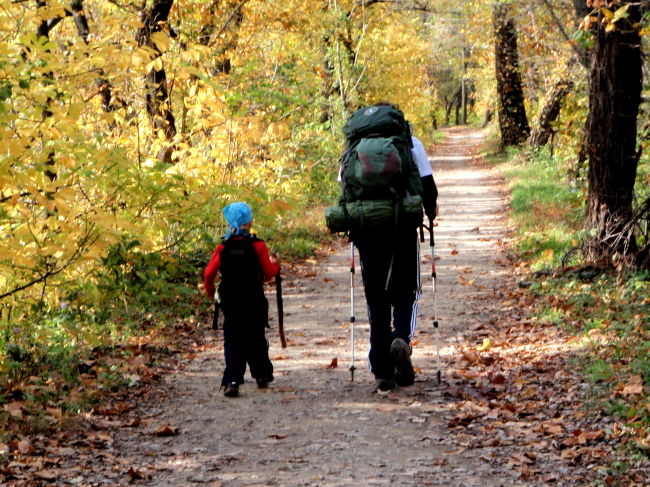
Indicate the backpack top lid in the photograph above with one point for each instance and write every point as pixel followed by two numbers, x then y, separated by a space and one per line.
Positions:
pixel 382 120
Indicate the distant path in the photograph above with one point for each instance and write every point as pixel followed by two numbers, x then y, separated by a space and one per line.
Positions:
pixel 314 426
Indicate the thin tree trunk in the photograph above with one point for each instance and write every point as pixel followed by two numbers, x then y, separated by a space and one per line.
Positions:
pixel 549 113
pixel 512 112
pixel 157 98
pixel 614 98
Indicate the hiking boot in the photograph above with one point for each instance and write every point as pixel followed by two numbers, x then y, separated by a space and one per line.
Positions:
pixel 401 353
pixel 262 383
pixel 232 390
pixel 384 386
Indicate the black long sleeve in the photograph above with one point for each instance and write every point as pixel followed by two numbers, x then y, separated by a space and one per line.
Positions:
pixel 429 196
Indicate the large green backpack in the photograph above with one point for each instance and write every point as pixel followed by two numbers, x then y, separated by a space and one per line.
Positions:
pixel 379 179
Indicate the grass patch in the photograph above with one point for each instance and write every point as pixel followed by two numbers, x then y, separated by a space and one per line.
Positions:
pixel 546 205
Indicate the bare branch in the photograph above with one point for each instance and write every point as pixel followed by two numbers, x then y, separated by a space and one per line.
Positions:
pixel 581 54
pixel 232 15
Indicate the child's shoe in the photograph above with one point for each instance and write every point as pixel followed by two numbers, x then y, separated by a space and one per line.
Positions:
pixel 232 390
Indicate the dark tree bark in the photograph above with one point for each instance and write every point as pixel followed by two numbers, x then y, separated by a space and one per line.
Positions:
pixel 512 112
pixel 549 113
pixel 158 102
pixel 581 9
pixel 614 96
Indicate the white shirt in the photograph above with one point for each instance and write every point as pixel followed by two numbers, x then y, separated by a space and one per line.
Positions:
pixel 420 158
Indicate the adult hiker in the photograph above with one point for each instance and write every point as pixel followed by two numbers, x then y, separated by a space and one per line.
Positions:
pixel 386 178
pixel 244 263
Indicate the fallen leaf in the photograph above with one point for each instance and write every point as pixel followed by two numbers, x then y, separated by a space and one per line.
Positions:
pixel 498 379
pixel 487 360
pixel 487 344
pixel 278 436
pixel 466 282
pixel 570 442
pixel 54 412
pixel 334 364
pixel 569 454
pixel 15 408
pixel 48 474
pixel 25 447
pixel 634 386
pixel 457 451
pixel 167 430
pixel 470 356
pixel 135 474
pixel 469 374
pixel 594 435
pixel 454 252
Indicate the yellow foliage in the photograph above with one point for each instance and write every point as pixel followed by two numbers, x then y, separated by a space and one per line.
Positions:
pixel 79 178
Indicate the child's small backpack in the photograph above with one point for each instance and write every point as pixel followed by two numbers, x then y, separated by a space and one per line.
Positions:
pixel 241 273
pixel 379 179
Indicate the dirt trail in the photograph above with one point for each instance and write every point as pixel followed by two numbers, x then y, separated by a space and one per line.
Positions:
pixel 314 426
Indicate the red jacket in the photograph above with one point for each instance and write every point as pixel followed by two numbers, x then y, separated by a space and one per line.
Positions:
pixel 270 269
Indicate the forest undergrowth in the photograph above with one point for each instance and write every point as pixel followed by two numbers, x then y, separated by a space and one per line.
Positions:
pixel 602 306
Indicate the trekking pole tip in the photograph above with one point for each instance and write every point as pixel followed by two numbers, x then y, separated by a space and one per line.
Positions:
pixel 439 378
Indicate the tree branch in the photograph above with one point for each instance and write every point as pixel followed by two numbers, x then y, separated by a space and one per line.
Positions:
pixel 582 55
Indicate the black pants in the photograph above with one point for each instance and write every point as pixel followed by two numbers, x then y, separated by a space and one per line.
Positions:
pixel 245 341
pixel 400 295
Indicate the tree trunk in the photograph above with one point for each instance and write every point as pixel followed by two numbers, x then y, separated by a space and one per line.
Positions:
pixel 582 10
pixel 615 84
pixel 157 98
pixel 549 113
pixel 512 112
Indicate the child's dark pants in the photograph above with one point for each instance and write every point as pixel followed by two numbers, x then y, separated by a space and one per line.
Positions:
pixel 245 342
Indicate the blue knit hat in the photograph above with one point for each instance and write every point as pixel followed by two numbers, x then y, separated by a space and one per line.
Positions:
pixel 237 214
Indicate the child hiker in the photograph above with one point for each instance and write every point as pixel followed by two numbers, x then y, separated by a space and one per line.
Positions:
pixel 244 263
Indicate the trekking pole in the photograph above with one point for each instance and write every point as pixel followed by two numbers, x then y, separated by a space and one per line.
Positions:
pixel 432 244
pixel 278 296
pixel 352 367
